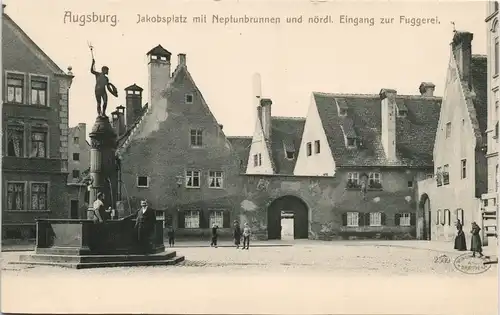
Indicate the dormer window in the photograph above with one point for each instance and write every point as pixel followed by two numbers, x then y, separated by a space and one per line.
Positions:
pixel 351 142
pixel 341 107
pixel 401 109
pixel 289 148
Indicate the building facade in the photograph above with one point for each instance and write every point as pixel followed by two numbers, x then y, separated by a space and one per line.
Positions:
pixel 460 165
pixel 78 152
pixel 378 147
pixel 35 134
pixel 490 199
pixel 176 154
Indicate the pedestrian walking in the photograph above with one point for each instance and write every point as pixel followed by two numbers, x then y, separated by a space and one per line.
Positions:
pixel 237 234
pixel 246 236
pixel 214 236
pixel 475 244
pixel 171 236
pixel 460 243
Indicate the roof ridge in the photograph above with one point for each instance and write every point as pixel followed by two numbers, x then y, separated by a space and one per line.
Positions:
pixel 400 96
pixel 288 117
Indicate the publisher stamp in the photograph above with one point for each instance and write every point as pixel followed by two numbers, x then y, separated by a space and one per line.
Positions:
pixel 468 264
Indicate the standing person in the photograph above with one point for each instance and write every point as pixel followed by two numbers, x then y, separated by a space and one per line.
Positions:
pixel 237 234
pixel 171 236
pixel 460 243
pixel 100 214
pixel 246 235
pixel 475 245
pixel 214 235
pixel 144 225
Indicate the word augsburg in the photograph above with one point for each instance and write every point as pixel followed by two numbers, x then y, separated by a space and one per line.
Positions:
pixel 470 265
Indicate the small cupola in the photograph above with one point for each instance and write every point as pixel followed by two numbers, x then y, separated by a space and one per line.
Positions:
pixel 159 54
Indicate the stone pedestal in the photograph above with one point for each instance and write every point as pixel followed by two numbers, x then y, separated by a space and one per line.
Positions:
pixel 103 167
pixel 84 244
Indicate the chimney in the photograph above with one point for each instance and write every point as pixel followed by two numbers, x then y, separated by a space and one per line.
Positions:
pixel 221 126
pixel 133 103
pixel 114 121
pixel 427 89
pixel 265 104
pixel 388 104
pixel 462 51
pixel 83 130
pixel 159 75
pixel 181 60
pixel 121 120
pixel 257 93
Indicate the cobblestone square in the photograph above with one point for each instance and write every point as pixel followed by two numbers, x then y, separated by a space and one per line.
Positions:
pixel 302 277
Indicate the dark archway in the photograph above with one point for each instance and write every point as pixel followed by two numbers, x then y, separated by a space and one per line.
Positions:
pixel 288 204
pixel 425 210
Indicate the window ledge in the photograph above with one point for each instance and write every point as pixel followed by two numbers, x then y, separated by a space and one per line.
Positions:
pixel 190 187
pixel 220 188
pixel 27 105
pixel 142 186
pixel 28 211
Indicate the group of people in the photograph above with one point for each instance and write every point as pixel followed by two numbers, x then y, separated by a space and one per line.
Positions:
pixel 475 246
pixel 238 235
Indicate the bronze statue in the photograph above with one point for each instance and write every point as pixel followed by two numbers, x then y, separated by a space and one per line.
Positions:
pixel 102 83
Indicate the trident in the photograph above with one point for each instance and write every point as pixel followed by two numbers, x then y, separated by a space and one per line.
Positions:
pixel 91 48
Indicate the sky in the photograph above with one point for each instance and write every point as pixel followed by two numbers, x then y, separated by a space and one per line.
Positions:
pixel 293 59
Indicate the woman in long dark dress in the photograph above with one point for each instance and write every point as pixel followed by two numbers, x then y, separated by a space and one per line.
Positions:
pixel 475 245
pixel 237 234
pixel 460 243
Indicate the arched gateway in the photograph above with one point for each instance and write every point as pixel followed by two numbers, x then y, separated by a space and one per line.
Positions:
pixel 288 205
pixel 425 210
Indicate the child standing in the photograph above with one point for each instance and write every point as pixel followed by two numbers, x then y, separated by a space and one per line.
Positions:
pixel 246 236
pixel 171 236
pixel 214 235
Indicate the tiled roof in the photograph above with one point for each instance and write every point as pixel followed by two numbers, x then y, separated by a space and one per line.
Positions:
pixel 125 136
pixel 159 51
pixel 480 88
pixel 414 137
pixel 241 146
pixel 286 132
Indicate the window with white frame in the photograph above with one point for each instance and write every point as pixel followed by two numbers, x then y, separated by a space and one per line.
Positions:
pixel 257 159
pixel 463 165
pixel 39 91
pixel 16 193
pixel 439 176
pixel 192 219
pixel 15 88
pixel 438 217
pixel 215 179
pixel 260 159
pixel 446 174
pixel 374 179
pixel 309 149
pixel 375 219
pixel 15 141
pixel 217 218
pixel 196 137
pixel 39 196
pixel 448 129
pixel 39 143
pixel 447 217
pixel 353 178
pixel 317 148
pixel 405 219
pixel 460 215
pixel 192 179
pixel 142 181
pixel 352 218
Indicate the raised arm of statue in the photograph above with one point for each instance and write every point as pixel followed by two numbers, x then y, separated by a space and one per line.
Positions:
pixel 92 68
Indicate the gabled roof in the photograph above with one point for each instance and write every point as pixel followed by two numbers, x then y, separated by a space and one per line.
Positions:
pixel 32 45
pixel 286 134
pixel 241 146
pixel 133 87
pixel 479 101
pixel 159 51
pixel 415 133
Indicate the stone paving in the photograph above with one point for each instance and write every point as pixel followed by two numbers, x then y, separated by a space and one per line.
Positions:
pixel 302 277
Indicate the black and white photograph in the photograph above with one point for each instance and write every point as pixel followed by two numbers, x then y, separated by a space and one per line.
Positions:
pixel 250 157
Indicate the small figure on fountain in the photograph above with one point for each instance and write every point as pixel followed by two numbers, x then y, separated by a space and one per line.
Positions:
pixel 102 83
